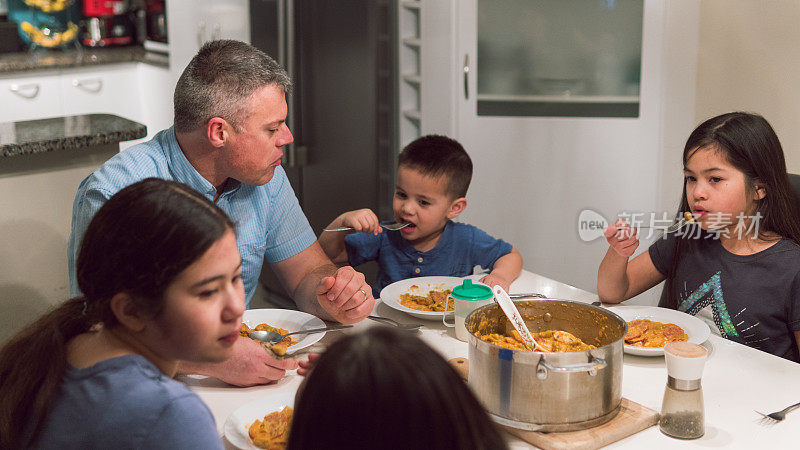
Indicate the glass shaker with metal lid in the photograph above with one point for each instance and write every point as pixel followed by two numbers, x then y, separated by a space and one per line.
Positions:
pixel 682 412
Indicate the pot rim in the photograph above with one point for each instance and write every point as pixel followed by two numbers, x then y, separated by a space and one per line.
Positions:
pixel 487 346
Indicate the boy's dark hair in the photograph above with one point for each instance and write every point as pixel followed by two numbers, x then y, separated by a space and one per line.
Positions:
pixel 434 155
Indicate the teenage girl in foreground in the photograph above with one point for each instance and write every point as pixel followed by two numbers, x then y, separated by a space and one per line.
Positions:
pixel 160 269
pixel 738 268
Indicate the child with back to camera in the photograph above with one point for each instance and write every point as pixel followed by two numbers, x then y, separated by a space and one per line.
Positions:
pixel 416 399
pixel 159 268
pixel 737 267
pixel 433 175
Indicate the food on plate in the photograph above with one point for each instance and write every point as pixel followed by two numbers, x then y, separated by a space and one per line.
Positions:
pixel 434 300
pixel 551 341
pixel 648 333
pixel 272 433
pixel 278 348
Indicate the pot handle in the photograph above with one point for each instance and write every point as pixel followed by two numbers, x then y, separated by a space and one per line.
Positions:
pixel 592 366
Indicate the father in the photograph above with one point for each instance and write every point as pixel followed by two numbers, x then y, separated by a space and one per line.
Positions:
pixel 227 142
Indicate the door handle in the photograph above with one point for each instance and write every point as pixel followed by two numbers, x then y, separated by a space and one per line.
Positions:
pixel 93 85
pixel 216 32
pixel 24 90
pixel 466 76
pixel 201 31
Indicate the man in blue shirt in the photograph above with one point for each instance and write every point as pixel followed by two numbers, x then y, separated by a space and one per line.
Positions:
pixel 227 143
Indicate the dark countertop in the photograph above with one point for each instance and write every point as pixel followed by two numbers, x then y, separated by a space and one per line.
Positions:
pixel 86 56
pixel 66 133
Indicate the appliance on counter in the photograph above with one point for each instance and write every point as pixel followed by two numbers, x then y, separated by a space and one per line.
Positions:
pixel 108 23
pixel 156 26
pixel 341 113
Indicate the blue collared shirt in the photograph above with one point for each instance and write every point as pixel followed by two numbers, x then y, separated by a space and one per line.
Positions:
pixel 460 248
pixel 269 221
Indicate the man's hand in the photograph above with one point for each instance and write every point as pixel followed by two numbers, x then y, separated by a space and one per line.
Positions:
pixel 249 365
pixel 345 295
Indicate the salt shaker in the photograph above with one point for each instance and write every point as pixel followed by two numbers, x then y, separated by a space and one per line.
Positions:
pixel 682 414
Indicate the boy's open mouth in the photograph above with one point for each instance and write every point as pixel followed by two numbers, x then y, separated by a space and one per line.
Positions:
pixel 410 228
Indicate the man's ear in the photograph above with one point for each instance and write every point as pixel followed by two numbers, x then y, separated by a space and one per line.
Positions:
pixel 217 131
pixel 126 312
pixel 456 208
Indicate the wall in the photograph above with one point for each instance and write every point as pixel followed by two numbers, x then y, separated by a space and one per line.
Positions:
pixel 749 59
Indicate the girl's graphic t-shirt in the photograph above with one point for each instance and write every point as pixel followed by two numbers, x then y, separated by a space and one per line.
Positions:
pixel 750 299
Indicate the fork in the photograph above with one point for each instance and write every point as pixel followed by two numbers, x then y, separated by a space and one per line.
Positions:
pixel 675 226
pixel 402 326
pixel 778 415
pixel 388 226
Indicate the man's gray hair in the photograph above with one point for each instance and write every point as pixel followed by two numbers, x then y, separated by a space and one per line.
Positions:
pixel 219 80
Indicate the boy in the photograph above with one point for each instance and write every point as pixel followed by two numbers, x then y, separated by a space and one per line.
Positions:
pixel 433 175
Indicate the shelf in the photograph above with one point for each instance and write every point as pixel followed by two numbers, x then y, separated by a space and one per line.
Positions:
pixel 412 42
pixel 559 98
pixel 412 79
pixel 412 114
pixel 411 4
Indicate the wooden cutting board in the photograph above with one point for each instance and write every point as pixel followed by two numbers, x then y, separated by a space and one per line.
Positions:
pixel 631 419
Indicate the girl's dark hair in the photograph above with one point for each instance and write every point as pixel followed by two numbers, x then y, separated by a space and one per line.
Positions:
pixel 137 243
pixel 748 143
pixel 386 389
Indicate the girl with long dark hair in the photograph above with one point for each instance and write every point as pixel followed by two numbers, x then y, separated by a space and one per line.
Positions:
pixel 737 266
pixel 386 389
pixel 161 277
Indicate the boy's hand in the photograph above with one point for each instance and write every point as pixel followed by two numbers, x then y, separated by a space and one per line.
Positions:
pixel 622 238
pixel 491 280
pixel 363 220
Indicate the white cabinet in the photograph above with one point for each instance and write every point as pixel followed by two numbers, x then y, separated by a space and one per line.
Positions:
pixel 34 96
pixel 105 89
pixel 191 23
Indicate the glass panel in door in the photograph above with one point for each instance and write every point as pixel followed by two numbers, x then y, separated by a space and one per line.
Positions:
pixel 569 58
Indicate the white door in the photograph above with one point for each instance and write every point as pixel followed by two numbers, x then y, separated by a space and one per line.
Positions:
pixel 535 174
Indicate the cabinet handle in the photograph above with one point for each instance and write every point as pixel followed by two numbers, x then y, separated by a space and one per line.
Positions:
pixel 466 76
pixel 17 89
pixel 92 85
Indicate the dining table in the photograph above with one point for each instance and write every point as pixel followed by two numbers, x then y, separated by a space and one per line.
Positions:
pixel 737 381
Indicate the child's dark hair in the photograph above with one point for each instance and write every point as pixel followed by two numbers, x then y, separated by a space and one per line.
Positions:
pixel 137 243
pixel 748 143
pixel 385 388
pixel 434 156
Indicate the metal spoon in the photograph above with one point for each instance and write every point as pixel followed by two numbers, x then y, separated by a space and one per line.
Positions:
pixel 388 226
pixel 402 326
pixel 271 337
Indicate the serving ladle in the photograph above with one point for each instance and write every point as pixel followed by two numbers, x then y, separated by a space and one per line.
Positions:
pixel 511 311
pixel 272 337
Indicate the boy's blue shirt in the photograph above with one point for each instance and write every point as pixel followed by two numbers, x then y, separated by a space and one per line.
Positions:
pixel 460 248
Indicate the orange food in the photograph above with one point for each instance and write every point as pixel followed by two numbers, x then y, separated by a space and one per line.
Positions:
pixel 279 348
pixel 551 341
pixel 648 333
pixel 433 301
pixel 272 433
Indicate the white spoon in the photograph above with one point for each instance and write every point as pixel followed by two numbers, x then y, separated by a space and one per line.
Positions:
pixel 508 307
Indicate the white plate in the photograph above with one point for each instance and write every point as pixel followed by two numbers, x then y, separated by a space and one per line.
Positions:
pixel 288 320
pixel 390 295
pixel 696 329
pixel 238 423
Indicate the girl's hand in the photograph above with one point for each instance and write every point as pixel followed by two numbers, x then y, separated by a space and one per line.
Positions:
pixel 363 220
pixel 622 238
pixel 492 280
pixel 306 366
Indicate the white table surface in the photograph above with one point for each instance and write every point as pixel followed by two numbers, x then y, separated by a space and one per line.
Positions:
pixel 736 381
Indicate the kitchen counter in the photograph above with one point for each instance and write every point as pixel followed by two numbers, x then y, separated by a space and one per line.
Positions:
pixel 72 57
pixel 66 133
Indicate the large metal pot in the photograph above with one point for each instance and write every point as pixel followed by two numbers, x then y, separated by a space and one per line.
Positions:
pixel 549 391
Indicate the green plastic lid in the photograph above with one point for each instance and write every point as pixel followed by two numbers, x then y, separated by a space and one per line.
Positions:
pixel 473 292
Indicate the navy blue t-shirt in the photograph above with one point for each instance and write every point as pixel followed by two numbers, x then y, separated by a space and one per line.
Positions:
pixel 460 248
pixel 126 403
